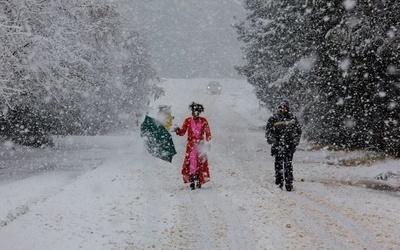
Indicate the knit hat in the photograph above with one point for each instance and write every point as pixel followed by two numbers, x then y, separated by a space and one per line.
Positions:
pixel 284 103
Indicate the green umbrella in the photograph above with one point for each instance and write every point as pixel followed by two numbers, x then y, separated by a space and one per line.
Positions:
pixel 157 139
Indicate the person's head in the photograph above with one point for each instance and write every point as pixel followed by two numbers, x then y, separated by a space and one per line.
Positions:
pixel 284 106
pixel 196 109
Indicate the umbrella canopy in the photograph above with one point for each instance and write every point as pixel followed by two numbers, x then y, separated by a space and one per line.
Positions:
pixel 158 140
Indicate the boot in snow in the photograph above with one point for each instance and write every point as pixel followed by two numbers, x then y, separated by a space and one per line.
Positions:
pixel 198 185
pixel 192 186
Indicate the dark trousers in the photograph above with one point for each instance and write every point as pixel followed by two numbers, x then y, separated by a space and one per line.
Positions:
pixel 283 167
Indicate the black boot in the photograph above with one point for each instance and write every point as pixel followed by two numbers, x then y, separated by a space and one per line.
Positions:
pixel 198 185
pixel 192 186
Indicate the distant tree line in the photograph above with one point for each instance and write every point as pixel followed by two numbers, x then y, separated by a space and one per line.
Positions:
pixel 67 67
pixel 338 62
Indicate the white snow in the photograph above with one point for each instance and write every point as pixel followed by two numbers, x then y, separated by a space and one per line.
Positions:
pixel 349 4
pixel 107 192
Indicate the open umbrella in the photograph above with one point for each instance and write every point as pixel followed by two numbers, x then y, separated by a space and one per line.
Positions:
pixel 157 139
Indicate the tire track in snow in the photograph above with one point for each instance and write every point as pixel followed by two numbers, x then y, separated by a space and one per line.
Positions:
pixel 206 229
pixel 314 228
pixel 158 204
pixel 192 228
pixel 331 225
pixel 208 220
pixel 229 222
pixel 187 231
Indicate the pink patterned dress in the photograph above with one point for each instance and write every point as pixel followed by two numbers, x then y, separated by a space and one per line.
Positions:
pixel 196 161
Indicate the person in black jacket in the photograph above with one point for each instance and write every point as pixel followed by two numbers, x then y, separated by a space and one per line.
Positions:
pixel 283 132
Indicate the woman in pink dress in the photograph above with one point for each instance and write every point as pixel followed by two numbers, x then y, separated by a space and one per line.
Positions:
pixel 195 165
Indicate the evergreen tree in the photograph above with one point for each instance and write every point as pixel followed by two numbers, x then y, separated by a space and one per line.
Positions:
pixel 272 47
pixel 339 60
pixel 353 89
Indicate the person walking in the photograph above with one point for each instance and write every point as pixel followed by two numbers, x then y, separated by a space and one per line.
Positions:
pixel 195 164
pixel 283 132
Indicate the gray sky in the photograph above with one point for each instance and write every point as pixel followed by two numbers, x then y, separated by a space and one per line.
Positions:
pixel 189 38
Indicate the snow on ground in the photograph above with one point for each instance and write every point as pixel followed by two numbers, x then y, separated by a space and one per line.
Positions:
pixel 107 192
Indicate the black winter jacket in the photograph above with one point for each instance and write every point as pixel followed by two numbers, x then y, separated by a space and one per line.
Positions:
pixel 283 132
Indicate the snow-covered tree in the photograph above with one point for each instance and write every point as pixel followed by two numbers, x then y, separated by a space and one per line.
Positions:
pixel 274 49
pixel 356 91
pixel 62 66
pixel 338 60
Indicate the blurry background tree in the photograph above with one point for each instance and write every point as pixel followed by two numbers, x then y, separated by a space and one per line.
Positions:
pixel 67 67
pixel 338 63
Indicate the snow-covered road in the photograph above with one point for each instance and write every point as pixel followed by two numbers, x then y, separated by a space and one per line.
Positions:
pixel 134 201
